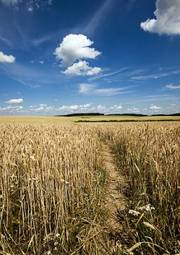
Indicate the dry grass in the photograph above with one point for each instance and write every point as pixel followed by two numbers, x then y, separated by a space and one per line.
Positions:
pixel 53 188
pixel 50 190
pixel 149 157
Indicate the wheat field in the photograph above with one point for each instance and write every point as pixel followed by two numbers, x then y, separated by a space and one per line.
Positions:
pixel 54 188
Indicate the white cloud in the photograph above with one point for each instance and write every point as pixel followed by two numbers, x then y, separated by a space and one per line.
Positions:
pixel 155 76
pixel 92 89
pixel 40 108
pixel 166 19
pixel 75 47
pixel 88 108
pixel 82 68
pixel 110 74
pixel 6 58
pixel 108 91
pixel 154 107
pixel 11 109
pixel 116 107
pixel 15 101
pixel 133 110
pixel 85 108
pixel 75 108
pixel 173 86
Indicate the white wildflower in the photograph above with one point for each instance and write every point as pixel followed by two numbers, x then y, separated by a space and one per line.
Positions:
pixel 147 208
pixel 134 213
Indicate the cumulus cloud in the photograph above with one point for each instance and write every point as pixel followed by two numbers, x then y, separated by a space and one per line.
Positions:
pixel 11 109
pixel 166 19
pixel 133 110
pixel 85 108
pixel 154 107
pixel 173 86
pixel 116 107
pixel 40 108
pixel 75 108
pixel 75 47
pixel 6 58
pixel 82 68
pixel 46 109
pixel 92 89
pixel 15 101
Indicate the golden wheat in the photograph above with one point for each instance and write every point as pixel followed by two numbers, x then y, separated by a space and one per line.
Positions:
pixel 53 189
pixel 49 189
pixel 149 156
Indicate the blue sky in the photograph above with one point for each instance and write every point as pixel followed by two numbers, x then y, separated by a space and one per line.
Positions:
pixel 111 56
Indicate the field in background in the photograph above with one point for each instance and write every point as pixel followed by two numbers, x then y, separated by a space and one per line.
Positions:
pixel 54 186
pixel 76 119
pixel 35 119
pixel 114 118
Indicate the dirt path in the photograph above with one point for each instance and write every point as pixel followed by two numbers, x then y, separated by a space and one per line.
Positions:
pixel 115 200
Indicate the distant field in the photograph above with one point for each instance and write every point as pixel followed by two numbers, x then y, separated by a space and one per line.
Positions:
pixel 126 118
pixel 76 119
pixel 35 119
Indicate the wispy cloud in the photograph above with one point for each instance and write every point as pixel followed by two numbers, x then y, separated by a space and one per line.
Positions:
pixel 92 89
pixel 6 41
pixel 110 74
pixel 46 38
pixel 157 98
pixel 28 5
pixel 9 2
pixel 173 86
pixel 13 35
pixel 98 17
pixel 124 73
pixel 31 75
pixel 155 76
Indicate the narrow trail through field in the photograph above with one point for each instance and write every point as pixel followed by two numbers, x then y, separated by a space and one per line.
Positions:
pixel 115 200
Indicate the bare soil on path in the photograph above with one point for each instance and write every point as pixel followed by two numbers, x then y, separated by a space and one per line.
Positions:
pixel 115 200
